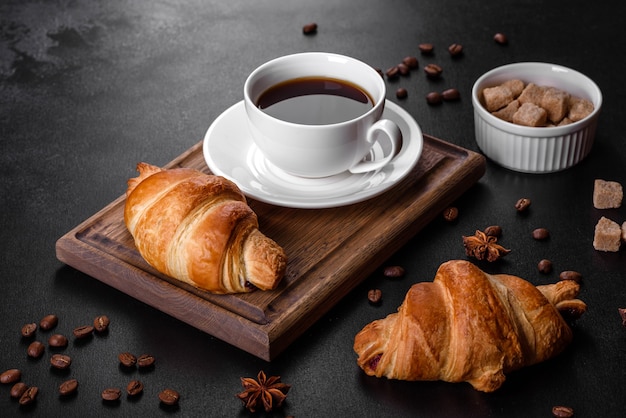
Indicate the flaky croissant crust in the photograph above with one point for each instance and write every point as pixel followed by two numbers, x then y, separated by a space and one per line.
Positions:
pixel 469 326
pixel 199 229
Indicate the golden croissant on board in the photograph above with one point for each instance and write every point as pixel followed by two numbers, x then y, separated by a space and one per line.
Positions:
pixel 198 228
pixel 469 326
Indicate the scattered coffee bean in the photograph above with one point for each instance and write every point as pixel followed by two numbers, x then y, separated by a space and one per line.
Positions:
pixel 571 275
pixel 455 50
pixel 18 389
pixel 145 360
pixel 127 359
pixel 393 271
pixel 541 234
pixel 545 266
pixel 622 314
pixel 493 231
pixel 35 349
pixel 134 387
pixel 500 38
pixel 426 49
pixel 28 397
pixel 380 72
pixel 433 70
pixel 111 394
pixel 10 376
pixel 450 214
pixel 29 330
pixel 402 93
pixel 450 95
pixel 403 69
pixel 48 322
pixel 562 411
pixel 410 62
pixel 83 331
pixel 433 98
pixel 522 204
pixel 309 28
pixel 101 323
pixel 392 72
pixel 60 361
pixel 57 341
pixel 68 387
pixel 169 396
pixel 375 296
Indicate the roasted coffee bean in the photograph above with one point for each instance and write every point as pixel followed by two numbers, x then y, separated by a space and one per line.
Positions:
pixel 410 62
pixel 29 395
pixel 10 376
pixel 127 359
pixel 134 387
pixel 455 50
pixel 145 360
pixel 433 70
pixel 111 394
pixel 451 95
pixel 426 49
pixel 450 214
pixel 57 341
pixel 393 271
pixel 60 361
pixel 493 231
pixel 83 331
pixel 18 389
pixel 571 275
pixel 544 266
pixel 169 396
pixel 309 28
pixel 622 314
pixel 562 411
pixel 68 387
pixel 48 322
pixel 500 38
pixel 392 72
pixel 29 330
pixel 402 93
pixel 541 234
pixel 35 349
pixel 433 98
pixel 375 296
pixel 101 323
pixel 522 204
pixel 380 72
pixel 403 69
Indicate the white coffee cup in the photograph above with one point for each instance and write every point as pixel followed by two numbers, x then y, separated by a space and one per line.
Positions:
pixel 320 146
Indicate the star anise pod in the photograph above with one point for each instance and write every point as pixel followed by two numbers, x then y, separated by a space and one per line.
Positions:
pixel 484 247
pixel 266 392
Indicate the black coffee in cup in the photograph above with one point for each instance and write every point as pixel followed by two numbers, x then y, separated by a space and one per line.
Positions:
pixel 315 101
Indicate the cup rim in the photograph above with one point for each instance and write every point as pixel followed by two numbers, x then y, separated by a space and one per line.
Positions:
pixel 377 107
pixel 591 88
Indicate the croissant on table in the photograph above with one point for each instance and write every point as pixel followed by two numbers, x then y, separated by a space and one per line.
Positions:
pixel 199 229
pixel 469 326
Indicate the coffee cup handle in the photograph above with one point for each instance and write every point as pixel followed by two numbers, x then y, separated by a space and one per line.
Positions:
pixel 392 133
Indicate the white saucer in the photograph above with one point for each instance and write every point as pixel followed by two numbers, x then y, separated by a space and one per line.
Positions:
pixel 230 152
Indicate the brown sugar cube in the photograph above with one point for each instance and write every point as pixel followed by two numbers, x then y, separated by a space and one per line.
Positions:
pixel 579 108
pixel 507 112
pixel 497 97
pixel 607 194
pixel 556 103
pixel 532 93
pixel 607 236
pixel 564 121
pixel 624 232
pixel 529 114
pixel 516 86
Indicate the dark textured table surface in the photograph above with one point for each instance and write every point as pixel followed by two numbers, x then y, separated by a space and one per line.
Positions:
pixel 89 88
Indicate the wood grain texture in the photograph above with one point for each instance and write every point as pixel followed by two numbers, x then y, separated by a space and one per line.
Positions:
pixel 330 251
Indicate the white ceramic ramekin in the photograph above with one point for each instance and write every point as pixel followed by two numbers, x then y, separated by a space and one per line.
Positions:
pixel 529 149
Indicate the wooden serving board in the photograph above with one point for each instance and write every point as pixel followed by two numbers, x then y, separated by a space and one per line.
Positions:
pixel 330 251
